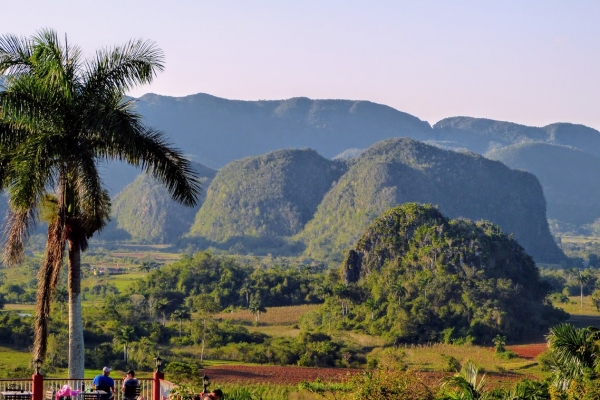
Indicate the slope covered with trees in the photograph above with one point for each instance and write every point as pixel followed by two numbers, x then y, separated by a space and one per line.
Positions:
pixel 417 276
pixel 564 173
pixel 463 185
pixel 266 197
pixel 144 212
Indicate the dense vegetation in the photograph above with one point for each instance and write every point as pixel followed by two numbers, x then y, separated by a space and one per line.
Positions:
pixel 144 212
pixel 570 194
pixel 416 276
pixel 267 197
pixel 463 185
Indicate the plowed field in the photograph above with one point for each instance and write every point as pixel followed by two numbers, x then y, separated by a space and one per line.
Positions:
pixel 276 374
pixel 290 375
pixel 529 351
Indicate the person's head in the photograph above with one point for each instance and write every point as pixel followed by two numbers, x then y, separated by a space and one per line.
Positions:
pixel 130 373
pixel 106 371
pixel 217 393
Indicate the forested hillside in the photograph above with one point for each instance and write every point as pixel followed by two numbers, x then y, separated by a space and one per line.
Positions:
pixel 220 131
pixel 265 198
pixel 463 185
pixel 417 276
pixel 145 212
pixel 567 176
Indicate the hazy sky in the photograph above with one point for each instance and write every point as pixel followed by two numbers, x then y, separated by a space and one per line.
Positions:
pixel 530 62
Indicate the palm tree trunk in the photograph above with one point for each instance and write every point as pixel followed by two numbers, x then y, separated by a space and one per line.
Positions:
pixel 76 348
pixel 203 340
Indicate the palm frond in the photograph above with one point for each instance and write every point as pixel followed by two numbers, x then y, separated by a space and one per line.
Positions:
pixel 575 351
pixel 123 67
pixel 93 199
pixel 15 53
pixel 47 282
pixel 16 233
pixel 121 136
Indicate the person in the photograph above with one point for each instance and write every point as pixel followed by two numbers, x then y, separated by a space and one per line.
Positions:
pixel 214 395
pixel 129 385
pixel 106 383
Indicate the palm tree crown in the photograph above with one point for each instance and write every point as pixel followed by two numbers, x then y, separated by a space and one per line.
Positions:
pixel 60 117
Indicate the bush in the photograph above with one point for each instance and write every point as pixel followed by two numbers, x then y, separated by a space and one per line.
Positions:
pixel 506 355
pixel 451 364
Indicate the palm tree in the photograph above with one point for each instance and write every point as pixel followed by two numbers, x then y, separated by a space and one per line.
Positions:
pixel 371 304
pixel 575 353
pixel 465 385
pixel 161 305
pixel 145 266
pixel 582 279
pixel 60 117
pixel 125 335
pixel 181 314
pixel 256 308
pixel 399 291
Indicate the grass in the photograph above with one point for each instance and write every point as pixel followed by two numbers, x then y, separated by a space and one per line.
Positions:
pixel 19 307
pixel 428 358
pixel 274 316
pixel 574 306
pixel 580 239
pixel 275 330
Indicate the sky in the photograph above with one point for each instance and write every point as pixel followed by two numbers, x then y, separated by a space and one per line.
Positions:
pixel 529 62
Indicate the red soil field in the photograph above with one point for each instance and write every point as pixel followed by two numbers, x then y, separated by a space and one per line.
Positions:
pixel 290 375
pixel 529 351
pixel 276 374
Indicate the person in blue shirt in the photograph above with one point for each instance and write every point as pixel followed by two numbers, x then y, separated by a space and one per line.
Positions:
pixel 106 383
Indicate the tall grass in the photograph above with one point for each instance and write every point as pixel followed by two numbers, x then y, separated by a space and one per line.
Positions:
pixel 236 391
pixel 274 316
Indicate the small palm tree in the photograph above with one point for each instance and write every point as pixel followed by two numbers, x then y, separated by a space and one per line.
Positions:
pixel 181 314
pixel 256 308
pixel 399 291
pixel 464 385
pixel 61 116
pixel 582 279
pixel 125 335
pixel 575 352
pixel 371 304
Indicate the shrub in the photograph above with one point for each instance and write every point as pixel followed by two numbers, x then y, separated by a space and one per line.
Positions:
pixel 451 364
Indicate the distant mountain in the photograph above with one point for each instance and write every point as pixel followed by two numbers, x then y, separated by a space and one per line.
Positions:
pixel 481 135
pixel 265 198
pixel 579 136
pixel 463 185
pixel 216 131
pixel 145 211
pixel 568 176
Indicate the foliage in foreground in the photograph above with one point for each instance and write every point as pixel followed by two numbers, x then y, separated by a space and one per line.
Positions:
pixel 416 276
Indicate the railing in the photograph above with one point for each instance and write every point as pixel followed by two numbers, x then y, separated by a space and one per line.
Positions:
pixel 76 384
pixel 86 384
pixel 21 384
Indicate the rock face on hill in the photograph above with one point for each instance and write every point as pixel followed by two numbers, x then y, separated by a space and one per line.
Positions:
pixel 567 175
pixel 463 185
pixel 265 197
